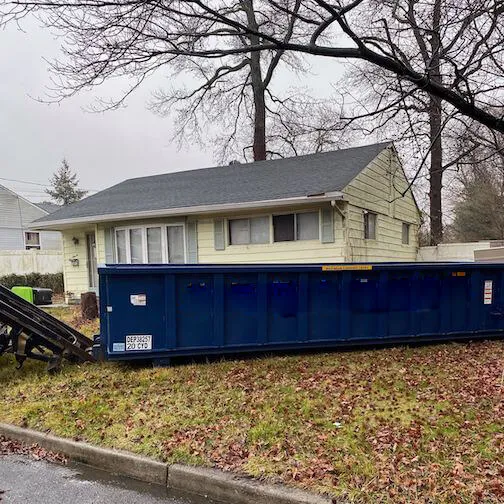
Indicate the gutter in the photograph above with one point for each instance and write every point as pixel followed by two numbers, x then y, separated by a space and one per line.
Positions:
pixel 60 224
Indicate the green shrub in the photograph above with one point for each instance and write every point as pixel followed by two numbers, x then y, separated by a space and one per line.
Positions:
pixel 53 281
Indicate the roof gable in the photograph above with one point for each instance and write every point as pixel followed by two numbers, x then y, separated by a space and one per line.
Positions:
pixel 237 183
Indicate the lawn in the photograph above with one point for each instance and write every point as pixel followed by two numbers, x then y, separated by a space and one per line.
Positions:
pixel 421 424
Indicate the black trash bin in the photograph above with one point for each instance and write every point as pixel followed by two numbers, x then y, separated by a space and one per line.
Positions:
pixel 42 296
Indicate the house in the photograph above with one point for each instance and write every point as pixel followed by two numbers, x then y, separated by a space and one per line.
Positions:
pixel 340 206
pixel 16 231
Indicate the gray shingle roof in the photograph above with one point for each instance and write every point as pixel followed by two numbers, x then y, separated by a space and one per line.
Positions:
pixel 236 183
pixel 48 207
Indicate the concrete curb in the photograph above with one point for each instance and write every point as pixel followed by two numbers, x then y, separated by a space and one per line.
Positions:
pixel 119 462
pixel 211 483
pixel 226 487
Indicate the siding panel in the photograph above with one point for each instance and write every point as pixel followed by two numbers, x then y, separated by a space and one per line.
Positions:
pixel 378 189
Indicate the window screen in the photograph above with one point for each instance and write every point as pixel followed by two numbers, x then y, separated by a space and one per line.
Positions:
pixel 307 226
pixel 283 227
pixel 370 226
pixel 154 246
pixel 405 233
pixel 122 257
pixel 239 231
pixel 245 231
pixel 136 246
pixel 260 230
pixel 176 244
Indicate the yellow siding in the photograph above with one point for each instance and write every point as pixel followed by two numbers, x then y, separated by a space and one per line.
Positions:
pixel 76 277
pixel 286 252
pixel 100 244
pixel 379 189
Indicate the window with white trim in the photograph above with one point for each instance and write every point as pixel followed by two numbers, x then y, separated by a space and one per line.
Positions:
pixel 298 226
pixel 32 240
pixel 159 243
pixel 247 231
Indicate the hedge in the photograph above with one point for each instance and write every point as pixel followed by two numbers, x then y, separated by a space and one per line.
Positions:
pixel 52 281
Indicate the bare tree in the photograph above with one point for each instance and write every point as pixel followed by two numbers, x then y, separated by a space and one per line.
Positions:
pixel 109 38
pixel 479 193
pixel 441 36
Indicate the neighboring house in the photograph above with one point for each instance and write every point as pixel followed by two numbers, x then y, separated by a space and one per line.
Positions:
pixel 337 206
pixel 16 231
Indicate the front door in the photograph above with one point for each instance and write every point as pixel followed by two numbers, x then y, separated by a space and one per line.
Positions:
pixel 92 262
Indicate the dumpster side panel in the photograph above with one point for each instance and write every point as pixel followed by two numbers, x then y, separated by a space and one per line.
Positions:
pixel 283 308
pixel 137 310
pixel 324 307
pixel 195 317
pixel 241 310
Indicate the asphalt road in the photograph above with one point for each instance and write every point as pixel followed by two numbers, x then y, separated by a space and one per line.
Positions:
pixel 25 480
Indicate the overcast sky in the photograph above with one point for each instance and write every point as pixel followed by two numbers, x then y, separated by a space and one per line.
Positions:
pixel 103 148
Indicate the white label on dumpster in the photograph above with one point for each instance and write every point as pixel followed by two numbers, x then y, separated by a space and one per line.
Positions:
pixel 138 342
pixel 118 347
pixel 488 292
pixel 138 299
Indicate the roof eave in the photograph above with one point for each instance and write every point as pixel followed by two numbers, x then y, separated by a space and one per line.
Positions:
pixel 61 224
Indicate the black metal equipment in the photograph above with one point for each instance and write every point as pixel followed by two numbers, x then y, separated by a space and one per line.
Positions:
pixel 29 332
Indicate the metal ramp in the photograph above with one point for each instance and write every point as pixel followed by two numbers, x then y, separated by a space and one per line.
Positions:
pixel 29 332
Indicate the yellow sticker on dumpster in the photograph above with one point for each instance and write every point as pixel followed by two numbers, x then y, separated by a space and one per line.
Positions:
pixel 347 267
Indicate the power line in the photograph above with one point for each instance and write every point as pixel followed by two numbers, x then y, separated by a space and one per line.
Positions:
pixel 39 184
pixel 25 182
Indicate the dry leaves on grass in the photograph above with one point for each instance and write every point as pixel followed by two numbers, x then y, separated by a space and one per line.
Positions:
pixel 10 447
pixel 412 425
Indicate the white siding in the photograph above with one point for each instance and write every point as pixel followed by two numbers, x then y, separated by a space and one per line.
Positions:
pixel 16 217
pixel 51 240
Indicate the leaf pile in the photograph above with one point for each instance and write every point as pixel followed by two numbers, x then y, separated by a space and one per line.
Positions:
pixel 10 447
pixel 412 425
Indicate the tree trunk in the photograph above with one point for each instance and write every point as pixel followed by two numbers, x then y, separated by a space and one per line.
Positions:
pixel 259 146
pixel 435 124
pixel 435 172
pixel 89 306
pixel 259 122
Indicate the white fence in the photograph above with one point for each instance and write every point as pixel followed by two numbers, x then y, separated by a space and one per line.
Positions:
pixel 23 262
pixel 463 252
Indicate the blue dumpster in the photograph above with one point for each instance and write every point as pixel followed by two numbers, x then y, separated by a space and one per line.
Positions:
pixel 160 311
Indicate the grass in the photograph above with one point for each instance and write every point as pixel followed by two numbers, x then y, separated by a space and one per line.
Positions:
pixel 420 424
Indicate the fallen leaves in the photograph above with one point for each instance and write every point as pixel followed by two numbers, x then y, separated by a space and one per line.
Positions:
pixel 10 447
pixel 412 425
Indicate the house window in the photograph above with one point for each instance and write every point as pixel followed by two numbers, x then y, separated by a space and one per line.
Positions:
pixel 151 244
pixel 247 231
pixel 154 245
pixel 175 235
pixel 32 240
pixel 301 226
pixel 122 256
pixel 370 226
pixel 405 233
pixel 136 246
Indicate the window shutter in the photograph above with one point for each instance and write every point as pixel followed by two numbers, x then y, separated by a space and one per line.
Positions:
pixel 192 242
pixel 219 241
pixel 327 225
pixel 109 246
